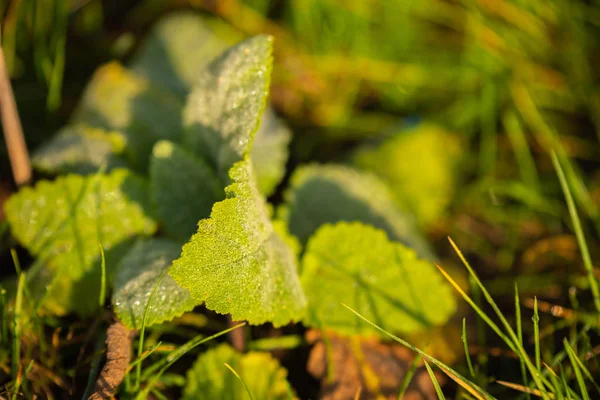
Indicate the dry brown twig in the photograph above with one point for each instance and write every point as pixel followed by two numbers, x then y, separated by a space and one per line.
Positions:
pixel 118 355
pixel 13 132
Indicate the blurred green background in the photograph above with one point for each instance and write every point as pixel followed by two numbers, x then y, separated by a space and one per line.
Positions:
pixel 457 101
pixel 456 104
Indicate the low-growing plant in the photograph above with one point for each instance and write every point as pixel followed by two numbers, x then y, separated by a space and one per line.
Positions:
pixel 155 202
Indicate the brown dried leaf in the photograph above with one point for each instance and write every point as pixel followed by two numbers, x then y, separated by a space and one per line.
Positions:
pixel 366 364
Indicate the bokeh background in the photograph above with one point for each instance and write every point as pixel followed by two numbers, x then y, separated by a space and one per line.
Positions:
pixel 456 104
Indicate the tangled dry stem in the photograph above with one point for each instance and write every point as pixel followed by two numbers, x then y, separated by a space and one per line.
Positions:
pixel 118 356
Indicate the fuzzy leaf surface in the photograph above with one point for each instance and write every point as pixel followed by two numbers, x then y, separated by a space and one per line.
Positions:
pixel 136 277
pixel 223 111
pixel 210 379
pixel 63 222
pixel 183 187
pixel 358 265
pixel 237 262
pixel 320 194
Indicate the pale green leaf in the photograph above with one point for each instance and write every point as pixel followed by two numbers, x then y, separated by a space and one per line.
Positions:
pixel 210 379
pixel 119 99
pixel 269 151
pixel 223 111
pixel 137 274
pixel 173 57
pixel 237 263
pixel 179 46
pixel 63 222
pixel 358 265
pixel 420 167
pixel 320 194
pixel 82 150
pixel 183 189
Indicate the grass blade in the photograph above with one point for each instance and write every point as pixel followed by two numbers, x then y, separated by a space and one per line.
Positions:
pixel 577 364
pixel 535 373
pixel 452 374
pixel 138 368
pixel 536 334
pixel 408 376
pixel 520 336
pixel 435 382
pixel 175 355
pixel 583 248
pixel 102 298
pixel 523 389
pixel 466 346
pixel 241 380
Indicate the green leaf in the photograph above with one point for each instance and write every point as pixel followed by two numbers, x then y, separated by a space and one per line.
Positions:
pixel 82 150
pixel 183 189
pixel 237 263
pixel 63 222
pixel 420 167
pixel 223 111
pixel 118 99
pixel 356 264
pixel 137 274
pixel 210 379
pixel 178 47
pixel 320 194
pixel 177 50
pixel 270 151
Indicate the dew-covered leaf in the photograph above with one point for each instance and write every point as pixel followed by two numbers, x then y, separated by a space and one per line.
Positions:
pixel 223 111
pixel 237 263
pixel 178 47
pixel 136 277
pixel 63 222
pixel 119 99
pixel 82 150
pixel 269 151
pixel 420 167
pixel 358 265
pixel 209 378
pixel 183 187
pixel 320 194
pixel 172 58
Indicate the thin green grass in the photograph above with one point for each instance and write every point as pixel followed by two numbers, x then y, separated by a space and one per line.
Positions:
pixel 577 371
pixel 408 376
pixel 175 355
pixel 536 334
pixel 520 335
pixel 241 380
pixel 585 254
pixel 451 373
pixel 102 298
pixel 513 342
pixel 17 330
pixel 466 347
pixel 436 384
pixel 138 368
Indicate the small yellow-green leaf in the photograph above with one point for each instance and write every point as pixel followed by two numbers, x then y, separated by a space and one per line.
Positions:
pixel 209 378
pixel 358 265
pixel 117 98
pixel 63 222
pixel 237 263
pixel 178 47
pixel 419 166
pixel 82 150
pixel 183 189
pixel 223 111
pixel 136 277
pixel 320 194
